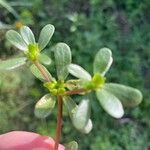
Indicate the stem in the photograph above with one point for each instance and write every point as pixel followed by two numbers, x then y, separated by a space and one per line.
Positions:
pixel 59 122
pixel 41 69
pixel 73 92
pixel 60 103
pixel 60 106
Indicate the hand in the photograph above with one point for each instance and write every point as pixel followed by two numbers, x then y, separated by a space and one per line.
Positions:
pixel 21 140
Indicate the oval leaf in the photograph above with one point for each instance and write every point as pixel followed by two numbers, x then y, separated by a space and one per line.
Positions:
pixel 44 106
pixel 38 74
pixel 103 61
pixel 15 39
pixel 82 114
pixel 63 59
pixel 27 35
pixel 88 127
pixel 44 59
pixel 79 114
pixel 72 146
pixel 12 63
pixel 127 95
pixel 45 36
pixel 79 72
pixel 70 105
pixel 110 103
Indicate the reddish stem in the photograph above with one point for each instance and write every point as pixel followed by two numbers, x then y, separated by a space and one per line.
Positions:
pixel 43 72
pixel 73 92
pixel 60 103
pixel 59 122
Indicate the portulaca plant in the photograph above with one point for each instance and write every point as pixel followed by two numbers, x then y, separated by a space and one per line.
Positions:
pixel 111 96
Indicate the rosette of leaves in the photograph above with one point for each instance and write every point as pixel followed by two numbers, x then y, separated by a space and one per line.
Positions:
pixel 111 96
pixel 56 86
pixel 25 41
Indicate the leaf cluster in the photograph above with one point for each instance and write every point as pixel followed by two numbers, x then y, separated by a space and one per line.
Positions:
pixel 111 96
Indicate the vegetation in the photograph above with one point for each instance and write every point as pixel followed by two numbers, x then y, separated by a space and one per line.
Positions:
pixel 85 26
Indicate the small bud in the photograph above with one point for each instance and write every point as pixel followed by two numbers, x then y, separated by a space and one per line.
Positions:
pixel 33 52
pixel 97 82
pixel 55 87
pixel 18 24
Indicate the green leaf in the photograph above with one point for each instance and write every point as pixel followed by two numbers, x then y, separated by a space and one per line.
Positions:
pixel 127 95
pixel 38 74
pixel 70 105
pixel 44 59
pixel 27 35
pixel 79 72
pixel 110 103
pixel 81 115
pixel 45 36
pixel 15 39
pixel 88 127
pixel 103 61
pixel 9 8
pixel 73 145
pixel 44 106
pixel 12 63
pixel 63 59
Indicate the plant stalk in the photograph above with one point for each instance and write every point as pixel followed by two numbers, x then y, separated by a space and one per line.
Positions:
pixel 60 103
pixel 73 92
pixel 59 121
pixel 41 69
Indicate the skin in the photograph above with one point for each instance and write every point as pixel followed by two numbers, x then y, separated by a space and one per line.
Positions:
pixel 21 140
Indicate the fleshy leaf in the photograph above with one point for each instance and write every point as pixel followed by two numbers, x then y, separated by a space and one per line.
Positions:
pixel 12 63
pixel 79 72
pixel 38 74
pixel 44 59
pixel 70 105
pixel 45 36
pixel 88 127
pixel 110 103
pixel 15 39
pixel 27 35
pixel 82 115
pixel 44 106
pixel 103 61
pixel 127 95
pixel 79 114
pixel 73 145
pixel 63 59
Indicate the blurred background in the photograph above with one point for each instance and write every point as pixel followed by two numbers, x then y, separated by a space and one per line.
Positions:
pixel 86 26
